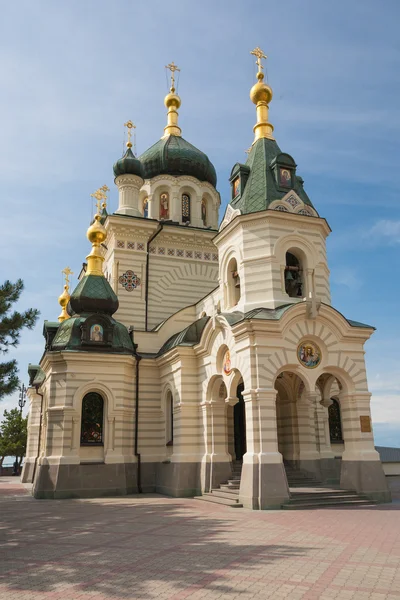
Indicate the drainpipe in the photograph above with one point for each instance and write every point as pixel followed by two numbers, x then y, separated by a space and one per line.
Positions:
pixel 155 234
pixel 138 358
pixel 40 431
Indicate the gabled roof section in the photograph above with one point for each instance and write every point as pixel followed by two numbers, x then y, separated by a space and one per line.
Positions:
pixel 262 188
pixel 190 336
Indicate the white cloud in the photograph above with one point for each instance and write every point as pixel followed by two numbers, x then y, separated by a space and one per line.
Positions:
pixel 346 277
pixel 385 408
pixel 384 230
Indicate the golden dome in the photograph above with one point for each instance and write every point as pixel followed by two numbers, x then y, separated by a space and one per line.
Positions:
pixel 96 234
pixel 172 99
pixel 260 92
pixel 64 298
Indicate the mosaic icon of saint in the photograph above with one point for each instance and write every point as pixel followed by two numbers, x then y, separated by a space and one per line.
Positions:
pixel 285 177
pixel 164 206
pixel 96 333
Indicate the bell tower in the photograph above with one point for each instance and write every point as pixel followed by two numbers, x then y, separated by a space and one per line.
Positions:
pixel 271 241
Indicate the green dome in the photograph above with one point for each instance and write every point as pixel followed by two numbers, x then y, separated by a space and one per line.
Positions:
pixel 128 165
pixel 175 156
pixel 93 294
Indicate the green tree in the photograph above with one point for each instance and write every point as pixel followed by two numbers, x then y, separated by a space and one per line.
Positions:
pixel 13 434
pixel 11 324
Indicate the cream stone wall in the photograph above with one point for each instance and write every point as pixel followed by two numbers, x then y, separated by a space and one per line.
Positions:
pixel 259 245
pixel 183 267
pixel 69 376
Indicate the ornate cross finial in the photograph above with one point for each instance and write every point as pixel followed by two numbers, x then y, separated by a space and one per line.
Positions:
pixel 172 67
pixel 67 272
pixel 130 126
pixel 260 55
pixel 100 196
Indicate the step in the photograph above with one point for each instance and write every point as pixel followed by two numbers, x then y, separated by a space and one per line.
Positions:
pixel 323 496
pixel 233 494
pixel 324 499
pixel 229 487
pixel 217 500
pixel 332 504
pixel 319 491
pixel 305 484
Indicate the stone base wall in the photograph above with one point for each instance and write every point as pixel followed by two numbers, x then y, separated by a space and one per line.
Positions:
pixel 96 480
pixel 85 480
pixel 262 486
pixel 365 477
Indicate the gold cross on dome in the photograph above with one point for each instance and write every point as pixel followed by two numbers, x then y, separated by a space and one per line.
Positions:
pixel 130 126
pixel 172 67
pixel 67 272
pixel 260 55
pixel 100 196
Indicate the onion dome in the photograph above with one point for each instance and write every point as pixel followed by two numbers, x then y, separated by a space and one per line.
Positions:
pixel 63 301
pixel 128 164
pixel 172 155
pixel 94 294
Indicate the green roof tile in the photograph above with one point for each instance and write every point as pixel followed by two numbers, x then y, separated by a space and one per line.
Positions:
pixel 261 188
pixel 175 156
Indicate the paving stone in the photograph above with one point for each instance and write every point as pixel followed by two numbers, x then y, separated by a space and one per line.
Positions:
pixel 153 547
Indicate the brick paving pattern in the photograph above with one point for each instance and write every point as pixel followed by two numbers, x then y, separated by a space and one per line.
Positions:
pixel 153 547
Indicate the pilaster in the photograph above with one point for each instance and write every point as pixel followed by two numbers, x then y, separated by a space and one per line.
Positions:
pixel 263 483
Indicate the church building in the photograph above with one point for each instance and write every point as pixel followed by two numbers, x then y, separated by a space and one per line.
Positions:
pixel 201 359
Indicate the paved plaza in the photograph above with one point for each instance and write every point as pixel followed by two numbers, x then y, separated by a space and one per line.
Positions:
pixel 153 547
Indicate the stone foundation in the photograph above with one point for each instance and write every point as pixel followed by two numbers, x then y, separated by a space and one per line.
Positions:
pixel 263 486
pixel 178 479
pixel 28 470
pixel 365 477
pixel 330 470
pixel 85 480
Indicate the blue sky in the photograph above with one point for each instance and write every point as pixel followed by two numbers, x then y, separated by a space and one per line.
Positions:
pixel 73 72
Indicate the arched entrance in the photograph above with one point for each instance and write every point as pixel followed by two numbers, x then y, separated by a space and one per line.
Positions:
pixel 239 424
pixel 289 389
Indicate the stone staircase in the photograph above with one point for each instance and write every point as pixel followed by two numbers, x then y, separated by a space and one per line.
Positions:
pixel 307 492
pixel 228 492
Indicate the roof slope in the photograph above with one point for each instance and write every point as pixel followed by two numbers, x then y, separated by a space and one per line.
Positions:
pixel 261 187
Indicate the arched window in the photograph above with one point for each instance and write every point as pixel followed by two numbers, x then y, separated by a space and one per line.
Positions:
pixel 233 283
pixel 185 208
pixel 164 206
pixel 335 422
pixel 293 276
pixel 204 212
pixel 92 420
pixel 169 419
pixel 146 208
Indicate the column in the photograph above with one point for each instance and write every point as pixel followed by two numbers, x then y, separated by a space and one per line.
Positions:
pixel 176 206
pixel 195 209
pixel 263 483
pixel 330 466
pixel 205 468
pixel 308 431
pixel 220 459
pixel 361 467
pixel 32 445
pixel 154 208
